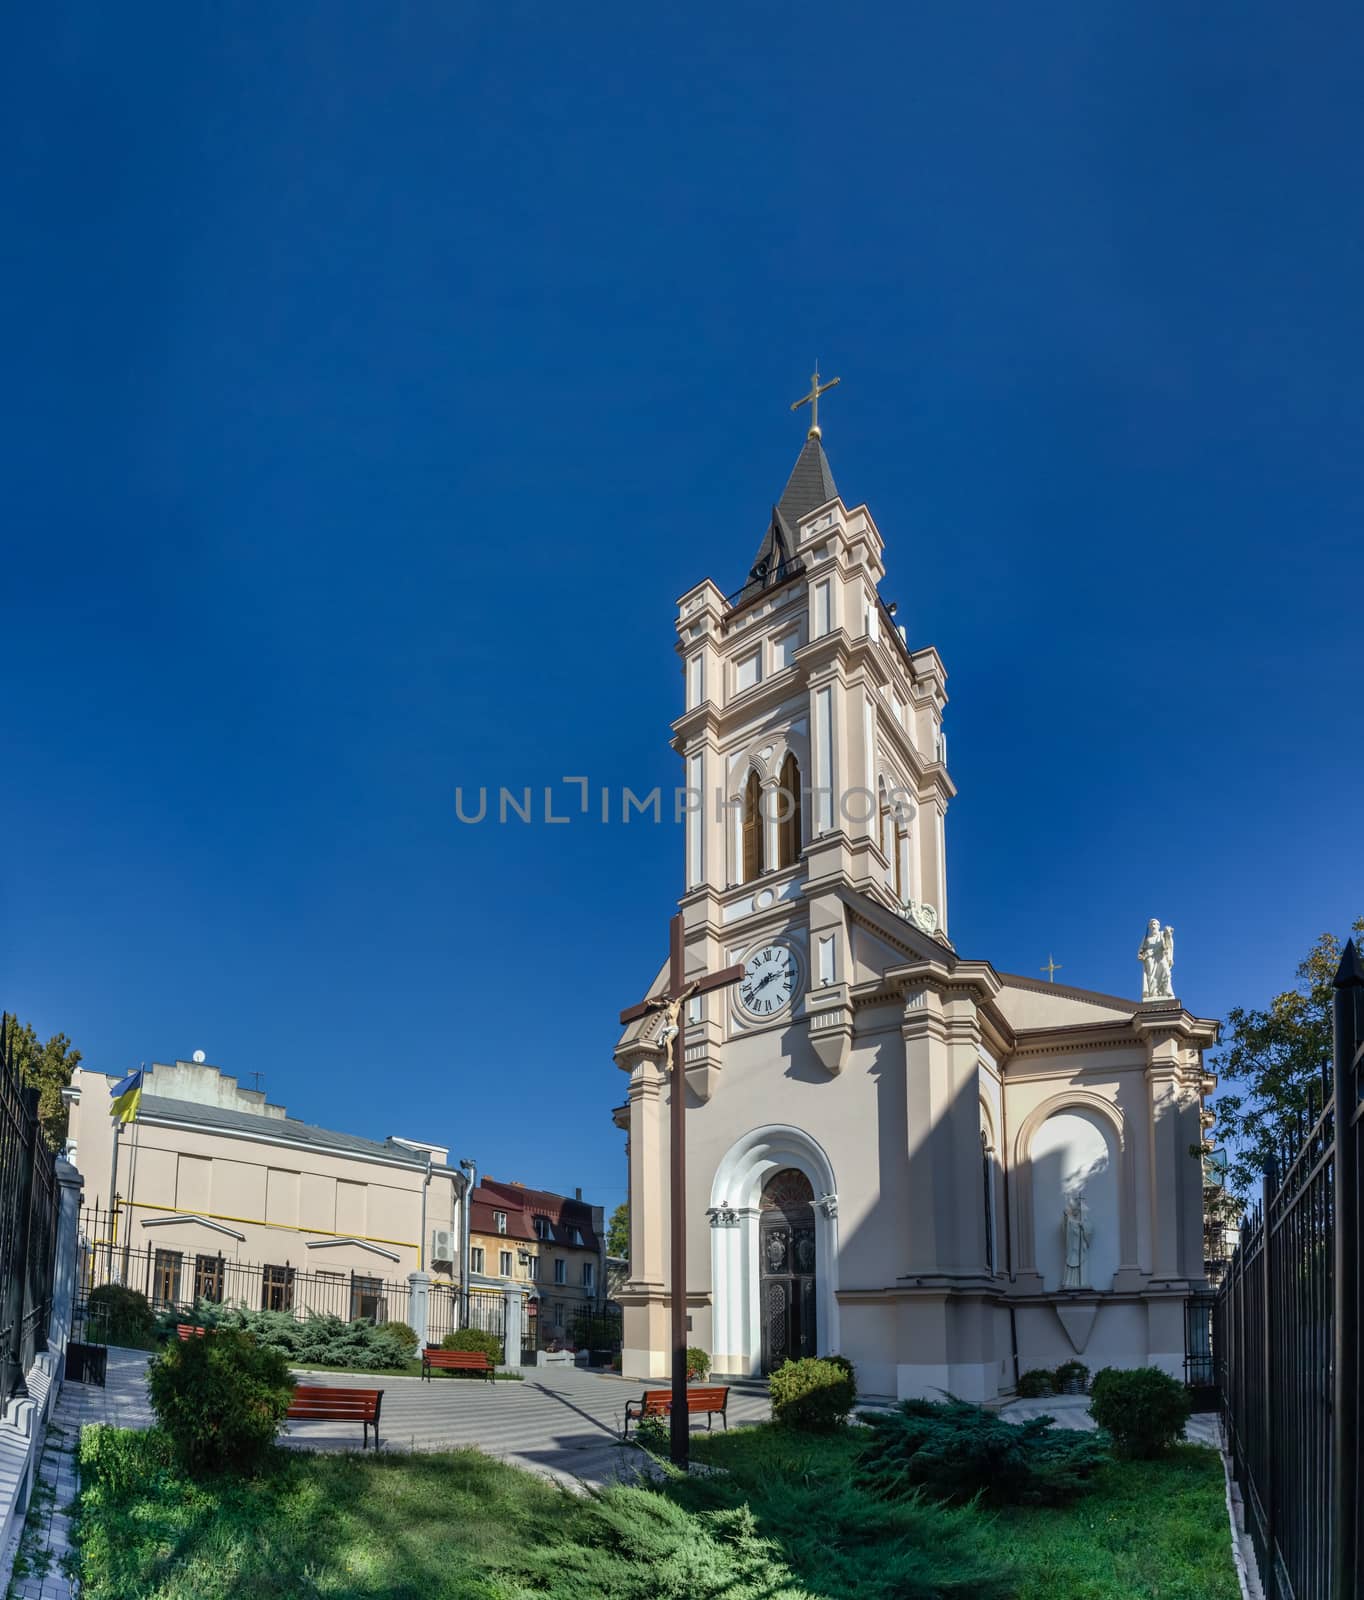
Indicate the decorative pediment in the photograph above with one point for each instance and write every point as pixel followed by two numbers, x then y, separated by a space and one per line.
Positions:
pixel 192 1216
pixel 358 1244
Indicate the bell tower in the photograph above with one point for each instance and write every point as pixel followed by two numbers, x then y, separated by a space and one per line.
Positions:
pixel 806 660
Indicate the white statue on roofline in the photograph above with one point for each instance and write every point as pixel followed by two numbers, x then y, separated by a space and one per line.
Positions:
pixel 1157 957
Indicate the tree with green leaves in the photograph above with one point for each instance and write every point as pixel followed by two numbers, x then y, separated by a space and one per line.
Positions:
pixel 1274 1060
pixel 46 1068
pixel 618 1231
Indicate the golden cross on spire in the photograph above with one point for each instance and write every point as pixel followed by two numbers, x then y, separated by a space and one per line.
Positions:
pixel 1051 969
pixel 812 400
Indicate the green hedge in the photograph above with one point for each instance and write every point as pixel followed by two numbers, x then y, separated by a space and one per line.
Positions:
pixel 220 1400
pixel 475 1339
pixel 404 1337
pixel 116 1315
pixel 698 1362
pixel 954 1451
pixel 1143 1408
pixel 1034 1385
pixel 813 1394
pixel 312 1341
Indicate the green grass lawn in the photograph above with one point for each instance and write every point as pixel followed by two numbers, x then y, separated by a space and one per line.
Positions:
pixel 1151 1530
pixel 452 1526
pixel 784 1522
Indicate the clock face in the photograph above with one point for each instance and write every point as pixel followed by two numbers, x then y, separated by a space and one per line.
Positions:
pixel 769 980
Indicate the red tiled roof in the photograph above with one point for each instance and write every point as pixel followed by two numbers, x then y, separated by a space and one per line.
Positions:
pixel 523 1205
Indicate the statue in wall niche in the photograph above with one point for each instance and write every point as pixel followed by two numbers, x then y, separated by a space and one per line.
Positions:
pixel 1079 1237
pixel 1157 957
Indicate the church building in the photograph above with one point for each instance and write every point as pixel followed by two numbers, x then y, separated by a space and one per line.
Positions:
pixel 895 1152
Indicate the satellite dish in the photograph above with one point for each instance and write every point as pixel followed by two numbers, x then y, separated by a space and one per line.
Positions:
pixel 200 1057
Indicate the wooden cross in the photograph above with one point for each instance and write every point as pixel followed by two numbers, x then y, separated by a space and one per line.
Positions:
pixel 812 400
pixel 669 1005
pixel 1051 968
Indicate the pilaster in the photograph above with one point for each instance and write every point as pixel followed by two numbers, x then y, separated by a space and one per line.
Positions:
pixel 648 1163
pixel 1174 1075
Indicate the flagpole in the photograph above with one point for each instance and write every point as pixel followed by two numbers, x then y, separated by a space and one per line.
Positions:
pixel 113 1197
pixel 132 1190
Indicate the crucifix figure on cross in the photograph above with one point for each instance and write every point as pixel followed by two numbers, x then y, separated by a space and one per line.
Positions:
pixel 669 1005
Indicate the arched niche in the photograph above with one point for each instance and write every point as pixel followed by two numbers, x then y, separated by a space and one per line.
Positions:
pixel 1074 1156
pixel 1038 1187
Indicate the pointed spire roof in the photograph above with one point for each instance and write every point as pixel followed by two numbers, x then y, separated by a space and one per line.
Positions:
pixel 810 485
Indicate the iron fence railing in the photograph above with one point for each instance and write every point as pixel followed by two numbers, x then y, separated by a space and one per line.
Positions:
pixel 29 1207
pixel 177 1279
pixel 1286 1338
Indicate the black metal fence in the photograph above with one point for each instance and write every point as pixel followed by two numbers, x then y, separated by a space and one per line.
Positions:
pixel 1286 1337
pixel 29 1207
pixel 174 1280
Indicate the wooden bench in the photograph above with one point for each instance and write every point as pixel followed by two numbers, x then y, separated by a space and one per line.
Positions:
pixel 312 1403
pixel 659 1403
pixel 456 1361
pixel 187 1332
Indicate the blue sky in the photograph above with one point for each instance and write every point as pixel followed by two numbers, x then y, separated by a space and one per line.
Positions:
pixel 324 321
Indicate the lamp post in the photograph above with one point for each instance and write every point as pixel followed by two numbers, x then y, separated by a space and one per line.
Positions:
pixel 670 1006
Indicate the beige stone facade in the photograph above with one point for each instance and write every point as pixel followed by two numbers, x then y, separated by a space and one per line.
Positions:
pixel 551 1244
pixel 883 1134
pixel 211 1171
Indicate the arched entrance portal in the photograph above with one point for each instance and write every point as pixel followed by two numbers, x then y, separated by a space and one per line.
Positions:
pixel 737 1196
pixel 786 1229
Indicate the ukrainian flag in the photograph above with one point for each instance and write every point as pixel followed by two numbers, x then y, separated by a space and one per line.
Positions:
pixel 126 1096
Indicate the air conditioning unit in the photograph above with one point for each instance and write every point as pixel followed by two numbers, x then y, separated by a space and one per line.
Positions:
pixel 442 1244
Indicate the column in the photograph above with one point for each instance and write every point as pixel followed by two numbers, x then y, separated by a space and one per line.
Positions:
pixel 65 1258
pixel 514 1299
pixel 419 1304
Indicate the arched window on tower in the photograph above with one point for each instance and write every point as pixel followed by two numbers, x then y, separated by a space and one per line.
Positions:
pixel 887 819
pixel 899 862
pixel 753 829
pixel 788 814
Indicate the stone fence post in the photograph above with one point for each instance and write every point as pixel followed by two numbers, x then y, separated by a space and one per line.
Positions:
pixel 418 1304
pixel 514 1299
pixel 64 1259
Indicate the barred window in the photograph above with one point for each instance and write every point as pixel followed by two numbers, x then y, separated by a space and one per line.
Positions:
pixel 277 1289
pixel 208 1278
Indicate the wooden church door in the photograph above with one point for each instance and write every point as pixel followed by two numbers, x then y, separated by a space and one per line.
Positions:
pixel 786 1243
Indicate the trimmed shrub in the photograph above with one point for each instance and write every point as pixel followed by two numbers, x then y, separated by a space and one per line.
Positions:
pixel 698 1362
pixel 489 1344
pixel 1034 1385
pixel 1071 1377
pixel 1143 1408
pixel 116 1314
pixel 402 1336
pixel 814 1394
pixel 314 1341
pixel 221 1400
pixel 954 1451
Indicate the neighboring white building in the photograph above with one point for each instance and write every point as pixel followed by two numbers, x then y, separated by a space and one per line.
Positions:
pixel 884 1134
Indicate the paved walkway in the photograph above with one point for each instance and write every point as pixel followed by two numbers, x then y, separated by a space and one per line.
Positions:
pixel 563 1421
pixel 41 1570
